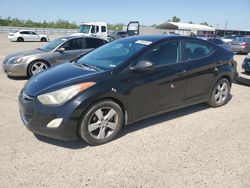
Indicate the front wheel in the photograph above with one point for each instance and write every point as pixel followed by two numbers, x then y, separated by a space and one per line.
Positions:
pixel 101 123
pixel 220 93
pixel 43 40
pixel 36 67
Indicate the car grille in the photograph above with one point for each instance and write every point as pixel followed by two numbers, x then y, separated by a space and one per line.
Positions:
pixel 26 118
pixel 26 99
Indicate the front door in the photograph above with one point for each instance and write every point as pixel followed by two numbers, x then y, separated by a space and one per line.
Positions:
pixel 163 87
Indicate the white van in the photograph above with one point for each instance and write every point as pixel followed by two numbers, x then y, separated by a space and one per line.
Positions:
pixel 95 29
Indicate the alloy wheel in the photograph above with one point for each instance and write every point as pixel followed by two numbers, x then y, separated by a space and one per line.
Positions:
pixel 221 93
pixel 38 67
pixel 103 123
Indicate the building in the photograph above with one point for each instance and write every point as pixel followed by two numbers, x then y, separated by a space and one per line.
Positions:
pixel 193 29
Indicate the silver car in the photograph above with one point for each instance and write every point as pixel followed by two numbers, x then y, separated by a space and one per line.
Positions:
pixel 60 50
pixel 241 45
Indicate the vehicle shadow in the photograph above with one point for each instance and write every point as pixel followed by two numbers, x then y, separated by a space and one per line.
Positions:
pixel 163 118
pixel 79 144
pixel 18 78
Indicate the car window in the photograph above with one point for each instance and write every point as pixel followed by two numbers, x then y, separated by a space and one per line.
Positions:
pixel 103 28
pixel 163 54
pixel 218 41
pixel 95 29
pixel 32 33
pixel 74 44
pixel 94 43
pixel 25 32
pixel 195 49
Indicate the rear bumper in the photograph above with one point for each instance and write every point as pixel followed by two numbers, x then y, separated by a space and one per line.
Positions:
pixel 240 49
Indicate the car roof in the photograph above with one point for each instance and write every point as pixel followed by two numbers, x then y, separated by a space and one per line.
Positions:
pixel 76 37
pixel 156 38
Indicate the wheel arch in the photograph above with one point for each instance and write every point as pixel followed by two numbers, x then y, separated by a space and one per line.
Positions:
pixel 36 60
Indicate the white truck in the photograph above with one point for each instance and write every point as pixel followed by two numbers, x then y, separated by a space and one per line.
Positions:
pixel 95 29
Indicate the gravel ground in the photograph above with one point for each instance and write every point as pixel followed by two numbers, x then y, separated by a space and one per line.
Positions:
pixel 197 146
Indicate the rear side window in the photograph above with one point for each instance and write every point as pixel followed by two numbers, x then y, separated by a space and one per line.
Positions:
pixel 103 28
pixel 94 43
pixel 195 50
pixel 218 41
pixel 25 32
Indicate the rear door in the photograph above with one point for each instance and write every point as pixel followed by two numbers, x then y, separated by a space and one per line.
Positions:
pixel 200 66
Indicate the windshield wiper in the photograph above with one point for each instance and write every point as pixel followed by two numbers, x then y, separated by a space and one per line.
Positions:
pixel 88 65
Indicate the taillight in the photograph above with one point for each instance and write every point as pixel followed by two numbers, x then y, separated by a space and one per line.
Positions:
pixel 245 44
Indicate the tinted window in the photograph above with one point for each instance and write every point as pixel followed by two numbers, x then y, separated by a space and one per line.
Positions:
pixel 25 32
pixel 74 44
pixel 196 49
pixel 94 43
pixel 163 54
pixel 32 33
pixel 95 29
pixel 218 41
pixel 103 28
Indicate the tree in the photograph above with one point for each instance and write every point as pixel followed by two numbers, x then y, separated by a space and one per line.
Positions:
pixel 204 23
pixel 174 19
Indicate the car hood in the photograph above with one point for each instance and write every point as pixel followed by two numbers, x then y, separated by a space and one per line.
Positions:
pixel 58 77
pixel 24 53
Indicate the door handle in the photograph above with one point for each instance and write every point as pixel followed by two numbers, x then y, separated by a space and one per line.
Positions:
pixel 181 72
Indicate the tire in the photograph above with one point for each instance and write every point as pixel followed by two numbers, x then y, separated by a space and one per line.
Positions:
pixel 37 66
pixel 101 123
pixel 43 39
pixel 20 39
pixel 220 93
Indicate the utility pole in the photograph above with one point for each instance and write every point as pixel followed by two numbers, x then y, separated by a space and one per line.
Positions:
pixel 225 28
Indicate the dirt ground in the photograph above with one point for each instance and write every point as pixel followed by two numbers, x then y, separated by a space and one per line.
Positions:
pixel 197 146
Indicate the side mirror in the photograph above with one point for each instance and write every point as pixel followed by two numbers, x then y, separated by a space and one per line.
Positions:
pixel 143 66
pixel 61 50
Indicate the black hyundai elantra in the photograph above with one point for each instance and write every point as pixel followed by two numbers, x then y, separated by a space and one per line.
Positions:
pixel 123 82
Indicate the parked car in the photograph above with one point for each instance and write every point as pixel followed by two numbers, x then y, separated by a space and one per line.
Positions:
pixel 28 63
pixel 125 81
pixel 25 35
pixel 117 35
pixel 230 38
pixel 219 42
pixel 246 64
pixel 241 45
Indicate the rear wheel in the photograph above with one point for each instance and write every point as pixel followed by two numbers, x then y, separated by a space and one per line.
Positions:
pixel 220 93
pixel 20 39
pixel 36 67
pixel 101 123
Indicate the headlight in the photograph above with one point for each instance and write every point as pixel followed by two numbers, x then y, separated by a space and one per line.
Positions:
pixel 63 95
pixel 17 60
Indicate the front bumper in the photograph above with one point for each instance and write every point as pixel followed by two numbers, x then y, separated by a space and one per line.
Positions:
pixel 14 69
pixel 36 117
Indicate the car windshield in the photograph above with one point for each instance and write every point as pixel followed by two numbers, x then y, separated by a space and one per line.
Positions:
pixel 113 54
pixel 84 28
pixel 53 44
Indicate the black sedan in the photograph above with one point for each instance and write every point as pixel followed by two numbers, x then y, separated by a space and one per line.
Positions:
pixel 246 64
pixel 125 81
